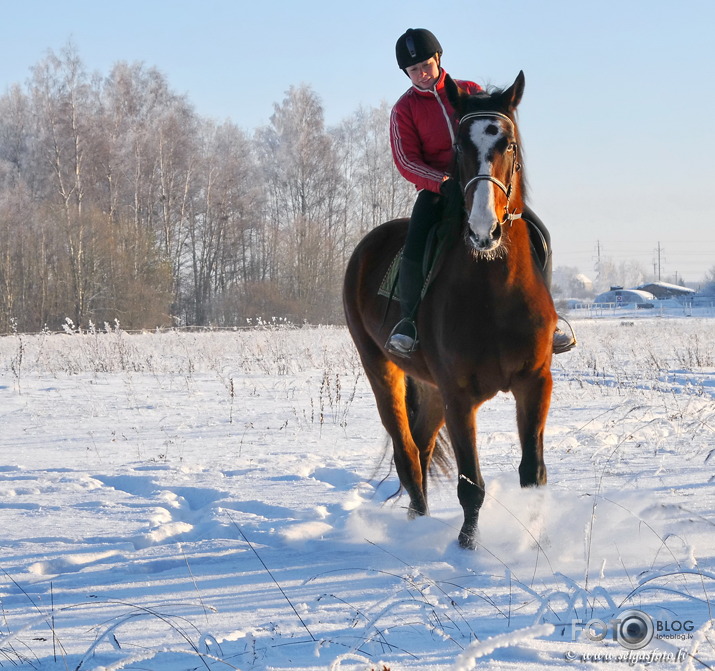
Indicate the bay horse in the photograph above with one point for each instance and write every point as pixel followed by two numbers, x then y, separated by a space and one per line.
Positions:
pixel 485 324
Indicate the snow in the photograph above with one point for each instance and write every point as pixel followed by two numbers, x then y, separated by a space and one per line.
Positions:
pixel 222 500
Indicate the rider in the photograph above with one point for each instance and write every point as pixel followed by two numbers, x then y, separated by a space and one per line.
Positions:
pixel 422 140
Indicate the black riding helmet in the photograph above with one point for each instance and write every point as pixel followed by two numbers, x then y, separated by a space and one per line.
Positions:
pixel 415 46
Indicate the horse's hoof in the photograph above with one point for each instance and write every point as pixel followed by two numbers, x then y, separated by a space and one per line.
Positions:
pixel 413 512
pixel 534 479
pixel 468 541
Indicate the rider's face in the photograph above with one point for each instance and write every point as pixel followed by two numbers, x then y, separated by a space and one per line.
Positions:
pixel 424 75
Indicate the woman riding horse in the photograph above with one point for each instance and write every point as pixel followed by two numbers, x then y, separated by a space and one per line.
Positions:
pixel 422 138
pixel 486 320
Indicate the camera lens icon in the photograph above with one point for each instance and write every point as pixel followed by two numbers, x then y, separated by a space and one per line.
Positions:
pixel 634 629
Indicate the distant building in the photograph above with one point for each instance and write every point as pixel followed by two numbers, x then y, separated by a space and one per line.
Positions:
pixel 583 283
pixel 621 296
pixel 662 290
pixel 570 283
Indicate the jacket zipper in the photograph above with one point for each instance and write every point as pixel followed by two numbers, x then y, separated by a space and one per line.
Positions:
pixel 446 115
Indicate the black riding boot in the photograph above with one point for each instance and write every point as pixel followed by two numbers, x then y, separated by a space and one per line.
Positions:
pixel 540 243
pixel 564 336
pixel 426 212
pixel 403 339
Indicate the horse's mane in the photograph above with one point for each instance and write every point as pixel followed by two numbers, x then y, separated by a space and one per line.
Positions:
pixel 493 89
pixel 485 100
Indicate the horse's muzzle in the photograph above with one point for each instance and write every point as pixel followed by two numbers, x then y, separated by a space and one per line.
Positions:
pixel 485 244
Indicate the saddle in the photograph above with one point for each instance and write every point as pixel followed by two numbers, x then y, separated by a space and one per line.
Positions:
pixel 436 244
pixel 443 232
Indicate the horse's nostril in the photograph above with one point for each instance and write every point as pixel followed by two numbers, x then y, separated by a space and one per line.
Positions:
pixel 485 243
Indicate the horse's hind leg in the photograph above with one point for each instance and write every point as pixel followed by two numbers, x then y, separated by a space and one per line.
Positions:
pixel 533 397
pixel 426 414
pixel 388 385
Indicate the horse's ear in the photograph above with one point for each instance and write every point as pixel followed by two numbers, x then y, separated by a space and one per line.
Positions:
pixel 453 95
pixel 512 96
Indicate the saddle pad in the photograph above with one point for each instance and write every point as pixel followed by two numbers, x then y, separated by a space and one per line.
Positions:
pixel 388 286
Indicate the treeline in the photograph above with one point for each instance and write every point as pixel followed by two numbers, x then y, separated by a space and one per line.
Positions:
pixel 118 202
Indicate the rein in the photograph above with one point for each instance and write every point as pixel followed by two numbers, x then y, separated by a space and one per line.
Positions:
pixel 515 166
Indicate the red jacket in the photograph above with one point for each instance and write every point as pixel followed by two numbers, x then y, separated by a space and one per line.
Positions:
pixel 422 133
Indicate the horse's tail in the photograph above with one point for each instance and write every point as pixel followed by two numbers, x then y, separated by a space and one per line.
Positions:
pixel 443 455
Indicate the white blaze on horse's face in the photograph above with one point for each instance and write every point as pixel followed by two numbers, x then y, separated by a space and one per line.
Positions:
pixel 483 217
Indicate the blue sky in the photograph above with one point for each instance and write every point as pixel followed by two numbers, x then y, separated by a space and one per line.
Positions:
pixel 616 117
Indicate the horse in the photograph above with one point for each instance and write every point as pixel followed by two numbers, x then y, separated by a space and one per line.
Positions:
pixel 485 324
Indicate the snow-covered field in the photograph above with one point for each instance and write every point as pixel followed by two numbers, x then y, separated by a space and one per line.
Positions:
pixel 220 501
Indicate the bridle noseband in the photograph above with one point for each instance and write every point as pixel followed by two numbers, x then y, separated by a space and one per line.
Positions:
pixel 515 166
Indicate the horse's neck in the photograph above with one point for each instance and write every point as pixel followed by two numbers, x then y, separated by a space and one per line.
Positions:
pixel 520 255
pixel 511 267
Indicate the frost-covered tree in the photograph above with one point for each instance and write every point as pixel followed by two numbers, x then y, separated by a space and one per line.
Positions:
pixel 117 201
pixel 303 181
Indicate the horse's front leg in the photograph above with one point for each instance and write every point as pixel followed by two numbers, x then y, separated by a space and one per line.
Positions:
pixel 533 398
pixel 460 416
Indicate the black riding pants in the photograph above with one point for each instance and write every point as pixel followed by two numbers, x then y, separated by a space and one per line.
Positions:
pixel 426 213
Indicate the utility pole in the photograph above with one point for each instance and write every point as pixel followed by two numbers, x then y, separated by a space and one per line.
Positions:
pixel 659 254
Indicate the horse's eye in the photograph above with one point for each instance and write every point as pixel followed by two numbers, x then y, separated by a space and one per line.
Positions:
pixel 511 146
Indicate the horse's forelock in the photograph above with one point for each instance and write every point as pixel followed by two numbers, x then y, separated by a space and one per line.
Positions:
pixel 490 100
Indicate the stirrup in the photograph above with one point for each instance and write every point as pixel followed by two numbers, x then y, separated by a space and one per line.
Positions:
pixel 393 344
pixel 564 337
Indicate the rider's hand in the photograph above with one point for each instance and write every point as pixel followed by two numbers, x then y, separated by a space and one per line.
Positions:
pixel 449 188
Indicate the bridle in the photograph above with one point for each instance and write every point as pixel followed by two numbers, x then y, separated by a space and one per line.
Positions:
pixel 515 165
